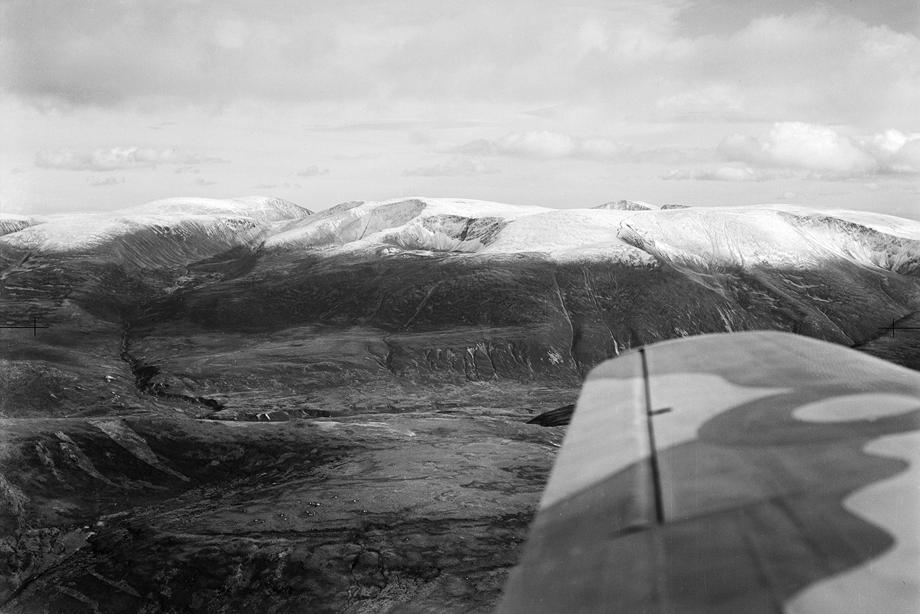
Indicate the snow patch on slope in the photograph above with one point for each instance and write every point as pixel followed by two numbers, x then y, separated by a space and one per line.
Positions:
pixel 717 238
pixel 231 222
pixel 872 241
pixel 726 239
pixel 464 226
pixel 262 208
pixel 571 234
pixel 414 223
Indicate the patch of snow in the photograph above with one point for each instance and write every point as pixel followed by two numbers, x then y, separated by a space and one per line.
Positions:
pixel 888 224
pixel 718 237
pixel 555 232
pixel 238 218
pixel 359 225
pixel 262 208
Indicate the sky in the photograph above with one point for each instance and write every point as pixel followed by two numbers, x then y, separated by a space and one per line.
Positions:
pixel 106 104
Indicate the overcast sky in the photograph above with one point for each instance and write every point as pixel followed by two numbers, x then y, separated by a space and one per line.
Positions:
pixel 111 103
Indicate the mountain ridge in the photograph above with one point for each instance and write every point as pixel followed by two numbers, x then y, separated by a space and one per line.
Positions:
pixel 462 226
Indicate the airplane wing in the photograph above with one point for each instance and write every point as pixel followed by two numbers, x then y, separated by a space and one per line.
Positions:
pixel 734 473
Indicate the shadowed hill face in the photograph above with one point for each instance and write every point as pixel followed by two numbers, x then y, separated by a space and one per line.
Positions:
pixel 408 337
pixel 13 223
pixel 627 205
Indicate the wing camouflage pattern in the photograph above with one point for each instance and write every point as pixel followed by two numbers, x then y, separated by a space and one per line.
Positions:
pixel 749 472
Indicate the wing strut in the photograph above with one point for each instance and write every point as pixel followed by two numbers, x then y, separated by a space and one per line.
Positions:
pixel 653 449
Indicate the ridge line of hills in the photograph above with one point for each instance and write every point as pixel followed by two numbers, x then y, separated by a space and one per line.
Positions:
pixel 625 229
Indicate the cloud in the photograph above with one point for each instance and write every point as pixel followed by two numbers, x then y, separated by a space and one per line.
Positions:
pixel 810 64
pixel 103 160
pixel 203 182
pixel 312 171
pixel 814 65
pixel 553 145
pixel 710 16
pixel 724 173
pixel 822 152
pixel 118 158
pixel 98 183
pixel 906 158
pixel 454 168
pixel 810 151
pixel 203 159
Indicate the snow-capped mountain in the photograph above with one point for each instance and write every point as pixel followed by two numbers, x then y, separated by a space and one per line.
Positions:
pixel 626 231
pixel 160 233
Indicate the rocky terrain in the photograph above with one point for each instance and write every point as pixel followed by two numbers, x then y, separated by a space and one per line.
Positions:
pixel 240 405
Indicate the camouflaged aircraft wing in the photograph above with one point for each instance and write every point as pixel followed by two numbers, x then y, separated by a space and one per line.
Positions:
pixel 735 473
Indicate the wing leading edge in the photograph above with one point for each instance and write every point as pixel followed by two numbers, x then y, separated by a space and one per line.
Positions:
pixel 746 472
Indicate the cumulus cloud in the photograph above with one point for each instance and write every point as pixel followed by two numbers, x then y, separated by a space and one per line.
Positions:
pixel 196 158
pixel 725 173
pixel 453 168
pixel 103 160
pixel 810 151
pixel 906 158
pixel 98 183
pixel 821 151
pixel 554 145
pixel 118 158
pixel 312 171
